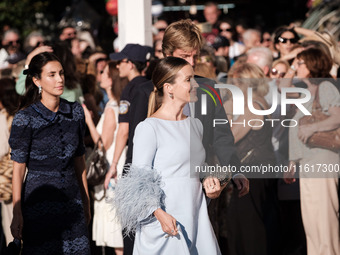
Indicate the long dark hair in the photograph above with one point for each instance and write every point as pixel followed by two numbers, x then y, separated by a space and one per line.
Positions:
pixel 165 72
pixel 118 83
pixel 34 70
pixel 67 60
pixel 8 96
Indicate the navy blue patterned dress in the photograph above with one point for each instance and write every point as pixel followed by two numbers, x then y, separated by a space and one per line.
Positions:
pixel 52 208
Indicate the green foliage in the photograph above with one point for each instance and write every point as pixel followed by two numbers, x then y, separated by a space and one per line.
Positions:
pixel 21 14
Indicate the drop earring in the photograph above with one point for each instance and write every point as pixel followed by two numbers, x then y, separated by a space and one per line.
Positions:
pixel 39 89
pixel 171 95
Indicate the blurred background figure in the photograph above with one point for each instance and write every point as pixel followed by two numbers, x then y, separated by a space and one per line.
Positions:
pixel 67 32
pixel 262 57
pixel 158 49
pixel 285 41
pixel 228 30
pixel 318 190
pixel 253 224
pixel 106 231
pixel 267 41
pixel 33 40
pixel 9 102
pixel 159 29
pixel 222 62
pixel 211 14
pixel 10 53
pixel 251 38
pixel 87 43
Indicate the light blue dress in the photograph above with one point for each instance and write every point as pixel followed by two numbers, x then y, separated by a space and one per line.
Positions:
pixel 172 148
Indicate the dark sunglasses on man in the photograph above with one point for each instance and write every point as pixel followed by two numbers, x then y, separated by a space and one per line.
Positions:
pixel 285 40
pixel 11 43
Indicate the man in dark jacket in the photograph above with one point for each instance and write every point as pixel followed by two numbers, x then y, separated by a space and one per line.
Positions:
pixel 183 39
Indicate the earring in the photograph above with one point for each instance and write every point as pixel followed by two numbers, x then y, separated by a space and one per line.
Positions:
pixel 171 95
pixel 39 89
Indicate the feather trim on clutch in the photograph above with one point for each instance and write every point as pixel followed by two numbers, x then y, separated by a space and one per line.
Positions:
pixel 136 196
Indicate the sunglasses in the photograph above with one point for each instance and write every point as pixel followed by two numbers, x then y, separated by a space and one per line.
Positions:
pixel 161 29
pixel 72 33
pixel 226 30
pixel 10 43
pixel 276 72
pixel 285 40
pixel 40 43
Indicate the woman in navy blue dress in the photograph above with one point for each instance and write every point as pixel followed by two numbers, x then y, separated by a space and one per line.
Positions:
pixel 51 204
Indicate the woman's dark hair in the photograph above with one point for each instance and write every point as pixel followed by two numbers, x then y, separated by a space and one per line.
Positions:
pixel 118 83
pixel 280 30
pixel 233 31
pixel 34 70
pixel 89 86
pixel 63 52
pixel 317 62
pixel 9 98
pixel 165 72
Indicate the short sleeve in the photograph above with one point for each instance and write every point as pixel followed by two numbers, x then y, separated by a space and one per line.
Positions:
pixel 20 137
pixel 329 96
pixel 144 145
pixel 20 84
pixel 124 111
pixel 81 122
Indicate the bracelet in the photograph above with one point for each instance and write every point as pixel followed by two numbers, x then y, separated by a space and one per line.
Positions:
pixel 293 68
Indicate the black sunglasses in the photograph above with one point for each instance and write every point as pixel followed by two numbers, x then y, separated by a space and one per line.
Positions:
pixel 285 40
pixel 10 43
pixel 225 30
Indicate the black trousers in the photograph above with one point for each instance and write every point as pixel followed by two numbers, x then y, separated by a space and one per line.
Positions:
pixel 128 243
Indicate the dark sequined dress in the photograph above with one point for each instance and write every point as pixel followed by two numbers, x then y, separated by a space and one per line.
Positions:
pixel 54 220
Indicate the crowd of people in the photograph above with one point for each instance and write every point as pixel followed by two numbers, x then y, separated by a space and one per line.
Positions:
pixel 144 106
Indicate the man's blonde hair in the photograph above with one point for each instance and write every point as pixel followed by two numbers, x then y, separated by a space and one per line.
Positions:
pixel 182 34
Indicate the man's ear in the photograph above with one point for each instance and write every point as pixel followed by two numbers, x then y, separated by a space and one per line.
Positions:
pixel 266 70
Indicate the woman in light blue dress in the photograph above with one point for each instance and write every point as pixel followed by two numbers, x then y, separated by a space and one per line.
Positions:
pixel 162 198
